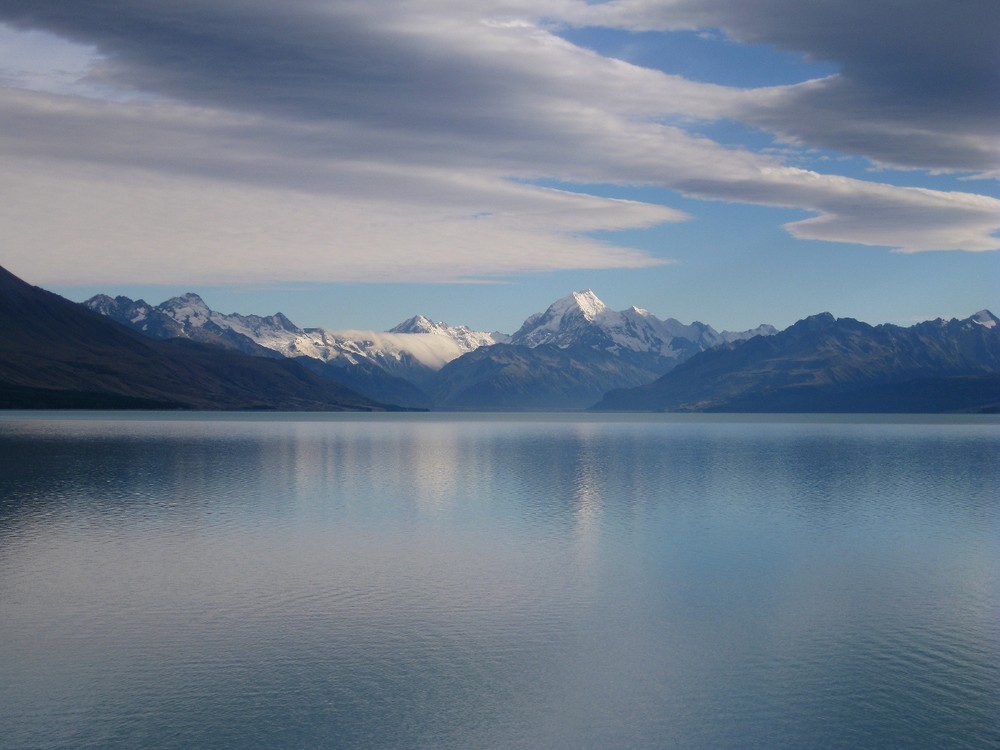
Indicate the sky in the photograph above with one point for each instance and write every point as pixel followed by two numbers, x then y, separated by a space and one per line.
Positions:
pixel 352 163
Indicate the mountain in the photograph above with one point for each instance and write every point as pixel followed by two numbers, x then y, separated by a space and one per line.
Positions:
pixel 825 364
pixel 189 317
pixel 58 354
pixel 569 355
pixel 390 367
pixel 565 357
pixel 514 376
pixel 582 318
pixel 465 336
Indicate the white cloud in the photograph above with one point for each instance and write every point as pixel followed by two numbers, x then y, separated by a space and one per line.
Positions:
pixel 88 224
pixel 354 142
pixel 856 211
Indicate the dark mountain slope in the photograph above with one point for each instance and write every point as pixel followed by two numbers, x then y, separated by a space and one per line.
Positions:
pixel 56 353
pixel 509 376
pixel 825 364
pixel 369 379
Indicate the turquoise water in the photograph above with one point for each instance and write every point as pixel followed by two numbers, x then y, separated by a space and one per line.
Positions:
pixel 498 581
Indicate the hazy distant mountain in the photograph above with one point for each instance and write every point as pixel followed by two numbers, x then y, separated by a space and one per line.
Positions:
pixel 56 353
pixel 388 367
pixel 573 352
pixel 464 335
pixel 565 357
pixel 368 378
pixel 512 376
pixel 827 364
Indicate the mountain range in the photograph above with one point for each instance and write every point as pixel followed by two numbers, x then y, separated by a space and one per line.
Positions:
pixel 566 357
pixel 826 364
pixel 58 354
pixel 578 353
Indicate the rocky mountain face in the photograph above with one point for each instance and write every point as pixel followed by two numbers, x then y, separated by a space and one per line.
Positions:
pixel 826 364
pixel 58 354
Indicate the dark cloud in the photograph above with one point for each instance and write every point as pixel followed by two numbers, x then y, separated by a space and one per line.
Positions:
pixel 336 61
pixel 941 50
pixel 885 126
pixel 918 83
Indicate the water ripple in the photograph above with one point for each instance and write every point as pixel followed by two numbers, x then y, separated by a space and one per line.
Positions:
pixel 422 582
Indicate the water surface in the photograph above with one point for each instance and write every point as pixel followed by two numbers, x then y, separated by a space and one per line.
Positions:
pixel 498 581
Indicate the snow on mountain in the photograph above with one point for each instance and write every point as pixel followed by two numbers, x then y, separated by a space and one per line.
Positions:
pixel 985 318
pixel 565 356
pixel 419 347
pixel 465 336
pixel 563 322
pixel 582 317
pixel 394 351
pixel 137 314
pixel 417 344
pixel 191 311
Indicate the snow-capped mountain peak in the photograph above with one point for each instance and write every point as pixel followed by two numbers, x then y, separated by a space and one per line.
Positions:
pixel 101 303
pixel 188 309
pixel 582 318
pixel 465 337
pixel 563 321
pixel 416 324
pixel 985 318
pixel 585 302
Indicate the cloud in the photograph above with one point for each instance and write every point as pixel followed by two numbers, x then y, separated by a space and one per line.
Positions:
pixel 397 141
pixel 918 83
pixel 87 224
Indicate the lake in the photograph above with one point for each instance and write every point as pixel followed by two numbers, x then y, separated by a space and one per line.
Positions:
pixel 498 581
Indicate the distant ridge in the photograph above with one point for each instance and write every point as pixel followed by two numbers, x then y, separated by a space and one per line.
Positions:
pixel 563 358
pixel 825 364
pixel 579 353
pixel 57 354
pixel 582 318
pixel 389 367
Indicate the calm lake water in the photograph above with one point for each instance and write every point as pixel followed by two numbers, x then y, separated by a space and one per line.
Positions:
pixel 491 581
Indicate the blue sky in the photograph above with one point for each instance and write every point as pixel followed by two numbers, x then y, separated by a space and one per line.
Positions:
pixel 354 163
